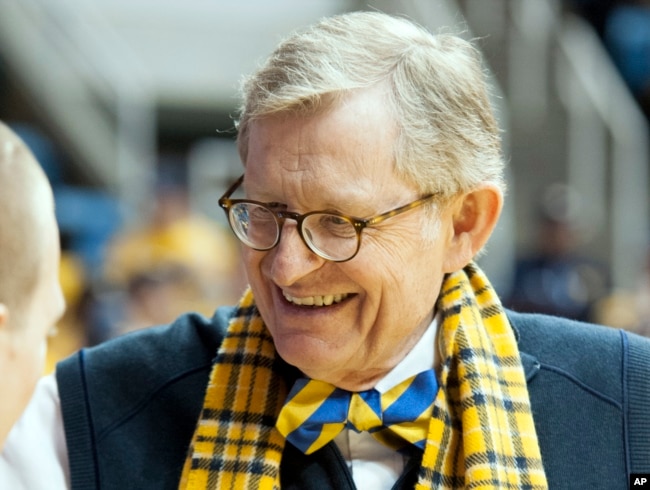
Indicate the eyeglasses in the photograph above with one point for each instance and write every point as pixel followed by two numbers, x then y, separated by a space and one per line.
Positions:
pixel 330 235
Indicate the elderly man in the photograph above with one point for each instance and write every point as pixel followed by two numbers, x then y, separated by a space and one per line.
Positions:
pixel 369 350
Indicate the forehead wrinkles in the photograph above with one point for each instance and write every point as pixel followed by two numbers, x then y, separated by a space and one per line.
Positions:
pixel 350 143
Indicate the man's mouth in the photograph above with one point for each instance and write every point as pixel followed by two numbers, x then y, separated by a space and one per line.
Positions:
pixel 326 300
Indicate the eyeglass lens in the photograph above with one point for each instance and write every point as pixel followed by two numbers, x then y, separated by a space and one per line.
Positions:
pixel 330 236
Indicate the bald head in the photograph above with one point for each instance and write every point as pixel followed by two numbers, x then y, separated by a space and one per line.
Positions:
pixel 31 300
pixel 25 198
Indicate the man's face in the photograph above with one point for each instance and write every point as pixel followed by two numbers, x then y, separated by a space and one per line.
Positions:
pixel 342 160
pixel 23 339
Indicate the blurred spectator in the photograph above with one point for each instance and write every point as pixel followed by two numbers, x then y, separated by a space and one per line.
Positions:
pixel 155 296
pixel 177 260
pixel 556 279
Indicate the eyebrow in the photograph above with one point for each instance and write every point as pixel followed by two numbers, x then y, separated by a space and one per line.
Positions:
pixel 343 204
pixel 276 205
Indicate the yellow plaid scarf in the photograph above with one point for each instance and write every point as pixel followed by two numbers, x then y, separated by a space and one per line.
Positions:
pixel 481 433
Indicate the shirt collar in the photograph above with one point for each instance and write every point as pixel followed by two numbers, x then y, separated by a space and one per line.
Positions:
pixel 419 359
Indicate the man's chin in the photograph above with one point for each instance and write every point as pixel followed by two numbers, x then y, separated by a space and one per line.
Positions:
pixel 312 360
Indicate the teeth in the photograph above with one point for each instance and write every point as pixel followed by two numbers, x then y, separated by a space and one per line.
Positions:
pixel 315 300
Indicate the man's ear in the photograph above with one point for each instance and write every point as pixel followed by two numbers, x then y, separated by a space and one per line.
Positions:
pixel 474 216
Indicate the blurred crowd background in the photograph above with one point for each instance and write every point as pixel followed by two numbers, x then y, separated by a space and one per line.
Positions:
pixel 128 105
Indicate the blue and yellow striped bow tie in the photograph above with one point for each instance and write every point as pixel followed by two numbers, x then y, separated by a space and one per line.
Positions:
pixel 316 412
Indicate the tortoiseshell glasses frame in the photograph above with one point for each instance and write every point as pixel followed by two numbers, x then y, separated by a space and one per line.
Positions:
pixel 329 234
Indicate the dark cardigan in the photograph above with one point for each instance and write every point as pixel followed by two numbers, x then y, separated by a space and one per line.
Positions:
pixel 130 406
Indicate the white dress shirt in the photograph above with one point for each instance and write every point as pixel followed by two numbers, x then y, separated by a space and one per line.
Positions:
pixel 35 455
pixel 374 465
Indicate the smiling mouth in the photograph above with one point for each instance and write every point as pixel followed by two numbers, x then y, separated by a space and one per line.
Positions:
pixel 316 301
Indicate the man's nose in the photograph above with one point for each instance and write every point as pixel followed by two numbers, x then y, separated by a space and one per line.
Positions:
pixel 291 258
